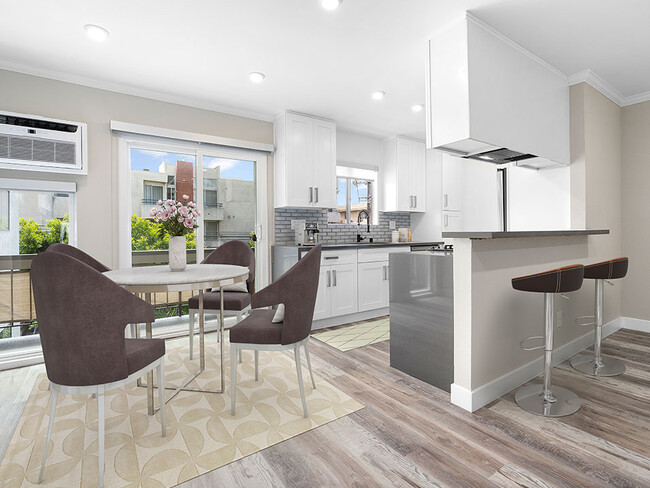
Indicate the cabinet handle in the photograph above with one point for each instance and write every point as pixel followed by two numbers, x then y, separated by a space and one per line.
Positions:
pixel 333 277
pixel 331 257
pixel 311 194
pixel 446 200
pixel 415 199
pixel 329 280
pixel 446 221
pixel 383 268
pixel 387 273
pixel 316 194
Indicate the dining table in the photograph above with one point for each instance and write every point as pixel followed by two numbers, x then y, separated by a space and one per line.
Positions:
pixel 146 280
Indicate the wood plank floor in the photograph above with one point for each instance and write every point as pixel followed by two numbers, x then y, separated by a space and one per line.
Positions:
pixel 410 435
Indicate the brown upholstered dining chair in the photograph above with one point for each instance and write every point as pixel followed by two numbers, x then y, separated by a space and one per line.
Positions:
pixel 79 255
pixel 236 298
pixel 296 290
pixel 81 316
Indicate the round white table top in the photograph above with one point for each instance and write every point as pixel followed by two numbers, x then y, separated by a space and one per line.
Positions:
pixel 161 278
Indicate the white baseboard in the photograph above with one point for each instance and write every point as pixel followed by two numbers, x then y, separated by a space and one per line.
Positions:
pixel 348 319
pixel 484 394
pixel 636 324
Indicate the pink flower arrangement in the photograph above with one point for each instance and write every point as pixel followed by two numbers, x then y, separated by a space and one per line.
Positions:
pixel 174 217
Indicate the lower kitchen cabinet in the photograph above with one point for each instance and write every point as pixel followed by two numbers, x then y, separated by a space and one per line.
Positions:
pixel 337 291
pixel 374 290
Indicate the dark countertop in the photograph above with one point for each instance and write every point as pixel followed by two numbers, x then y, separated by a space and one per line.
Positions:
pixel 362 245
pixel 523 234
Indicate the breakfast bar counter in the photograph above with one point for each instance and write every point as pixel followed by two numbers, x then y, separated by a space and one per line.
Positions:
pixel 491 318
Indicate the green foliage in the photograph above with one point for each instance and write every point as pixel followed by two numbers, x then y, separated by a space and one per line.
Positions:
pixel 32 239
pixel 147 235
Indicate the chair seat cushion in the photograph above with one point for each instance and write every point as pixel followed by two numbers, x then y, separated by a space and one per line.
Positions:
pixel 257 328
pixel 560 280
pixel 607 270
pixel 232 300
pixel 141 352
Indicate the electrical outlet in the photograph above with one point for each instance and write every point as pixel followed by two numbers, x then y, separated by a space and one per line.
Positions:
pixel 391 225
pixel 558 319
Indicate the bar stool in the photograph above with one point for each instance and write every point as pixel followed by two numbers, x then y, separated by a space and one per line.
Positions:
pixel 541 399
pixel 595 364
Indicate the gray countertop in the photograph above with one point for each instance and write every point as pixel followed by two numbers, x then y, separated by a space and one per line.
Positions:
pixel 363 245
pixel 523 234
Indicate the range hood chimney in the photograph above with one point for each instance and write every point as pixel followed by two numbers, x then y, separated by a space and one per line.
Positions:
pixel 490 99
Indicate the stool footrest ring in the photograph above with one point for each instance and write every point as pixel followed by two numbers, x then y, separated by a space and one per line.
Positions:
pixel 582 320
pixel 532 338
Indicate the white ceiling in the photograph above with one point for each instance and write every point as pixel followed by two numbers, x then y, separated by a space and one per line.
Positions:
pixel 317 62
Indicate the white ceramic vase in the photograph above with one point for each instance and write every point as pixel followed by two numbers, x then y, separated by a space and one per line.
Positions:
pixel 177 254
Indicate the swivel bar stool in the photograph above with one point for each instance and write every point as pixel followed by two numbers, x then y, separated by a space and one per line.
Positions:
pixel 595 364
pixel 542 399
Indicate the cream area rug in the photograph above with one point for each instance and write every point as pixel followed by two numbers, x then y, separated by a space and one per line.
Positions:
pixel 201 433
pixel 356 335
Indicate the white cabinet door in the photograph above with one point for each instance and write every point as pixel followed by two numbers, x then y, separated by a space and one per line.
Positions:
pixel 324 164
pixel 404 195
pixel 373 285
pixel 452 221
pixel 343 289
pixel 452 182
pixel 417 176
pixel 299 160
pixel 323 297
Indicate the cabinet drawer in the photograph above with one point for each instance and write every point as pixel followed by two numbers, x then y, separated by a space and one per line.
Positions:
pixel 380 253
pixel 347 256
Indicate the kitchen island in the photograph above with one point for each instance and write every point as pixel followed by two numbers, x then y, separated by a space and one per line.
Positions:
pixel 491 318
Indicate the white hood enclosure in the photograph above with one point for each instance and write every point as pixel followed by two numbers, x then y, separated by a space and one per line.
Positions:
pixel 490 99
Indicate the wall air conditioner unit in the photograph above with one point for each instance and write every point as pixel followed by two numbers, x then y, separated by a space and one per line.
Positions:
pixel 34 143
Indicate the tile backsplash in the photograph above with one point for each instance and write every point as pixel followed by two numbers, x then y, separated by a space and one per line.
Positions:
pixel 334 233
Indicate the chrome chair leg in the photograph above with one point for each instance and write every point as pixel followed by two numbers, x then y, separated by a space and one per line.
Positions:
pixel 545 399
pixel 257 364
pixel 311 373
pixel 596 364
pixel 233 377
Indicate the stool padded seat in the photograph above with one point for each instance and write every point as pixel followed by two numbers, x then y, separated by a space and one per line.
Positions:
pixel 560 280
pixel 607 270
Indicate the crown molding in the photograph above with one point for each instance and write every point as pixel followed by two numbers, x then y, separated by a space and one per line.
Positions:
pixel 133 91
pixel 595 81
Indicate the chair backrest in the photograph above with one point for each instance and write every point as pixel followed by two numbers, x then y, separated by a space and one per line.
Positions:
pixel 79 255
pixel 237 253
pixel 81 320
pixel 299 286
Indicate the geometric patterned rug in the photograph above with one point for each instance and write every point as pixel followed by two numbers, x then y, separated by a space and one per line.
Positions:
pixel 201 433
pixel 357 335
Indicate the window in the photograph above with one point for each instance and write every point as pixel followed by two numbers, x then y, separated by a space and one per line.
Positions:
pixel 210 186
pixel 152 193
pixel 33 215
pixel 354 200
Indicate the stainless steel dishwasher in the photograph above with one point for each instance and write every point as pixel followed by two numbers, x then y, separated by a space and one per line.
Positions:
pixel 422 315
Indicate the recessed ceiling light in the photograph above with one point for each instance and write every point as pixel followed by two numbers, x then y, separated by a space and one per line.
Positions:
pixel 256 76
pixel 96 33
pixel 331 4
pixel 417 108
pixel 378 95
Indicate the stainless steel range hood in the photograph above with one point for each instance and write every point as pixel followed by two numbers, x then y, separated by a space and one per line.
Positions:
pixel 489 99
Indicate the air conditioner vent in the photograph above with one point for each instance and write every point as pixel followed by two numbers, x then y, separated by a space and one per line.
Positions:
pixel 35 143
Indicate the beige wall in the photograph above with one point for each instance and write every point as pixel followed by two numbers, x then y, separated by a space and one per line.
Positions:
pixel 98 193
pixel 636 209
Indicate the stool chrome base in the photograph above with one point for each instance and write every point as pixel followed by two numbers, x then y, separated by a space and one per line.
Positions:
pixel 531 399
pixel 586 363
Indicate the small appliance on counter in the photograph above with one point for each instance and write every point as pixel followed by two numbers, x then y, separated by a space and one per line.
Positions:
pixel 310 234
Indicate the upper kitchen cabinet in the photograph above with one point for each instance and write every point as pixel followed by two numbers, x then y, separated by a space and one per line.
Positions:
pixel 305 162
pixel 403 175
pixel 490 99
